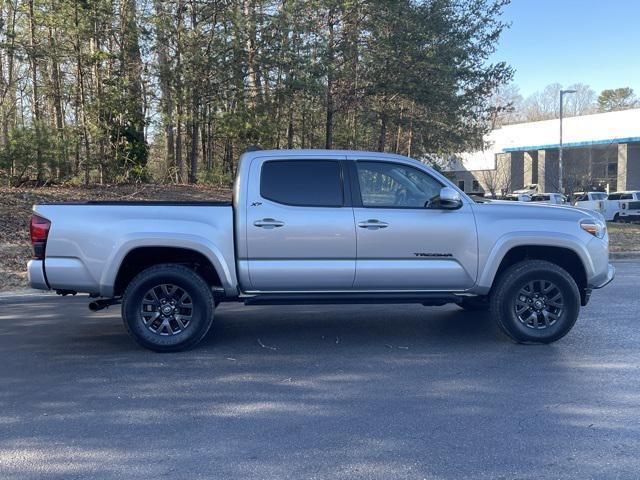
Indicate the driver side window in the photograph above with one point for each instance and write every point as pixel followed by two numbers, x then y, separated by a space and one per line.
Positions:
pixel 393 185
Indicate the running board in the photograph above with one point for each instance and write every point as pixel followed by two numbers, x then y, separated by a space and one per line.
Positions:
pixel 428 299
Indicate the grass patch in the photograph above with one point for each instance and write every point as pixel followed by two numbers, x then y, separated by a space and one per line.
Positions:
pixel 624 237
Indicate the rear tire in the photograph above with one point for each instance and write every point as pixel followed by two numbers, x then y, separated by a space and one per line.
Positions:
pixel 535 301
pixel 168 308
pixel 616 217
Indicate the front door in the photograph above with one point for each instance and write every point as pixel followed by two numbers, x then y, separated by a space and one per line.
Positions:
pixel 405 242
pixel 300 228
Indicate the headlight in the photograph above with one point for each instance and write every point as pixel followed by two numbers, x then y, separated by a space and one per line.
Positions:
pixel 594 227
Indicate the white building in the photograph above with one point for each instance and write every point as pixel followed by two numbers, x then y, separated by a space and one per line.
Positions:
pixel 599 151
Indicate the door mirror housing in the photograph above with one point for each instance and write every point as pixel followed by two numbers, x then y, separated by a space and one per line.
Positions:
pixel 450 199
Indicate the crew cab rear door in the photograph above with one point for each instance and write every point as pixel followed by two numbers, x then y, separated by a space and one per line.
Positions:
pixel 300 227
pixel 403 244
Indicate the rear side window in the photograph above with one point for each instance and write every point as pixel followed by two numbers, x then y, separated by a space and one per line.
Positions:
pixel 304 183
pixel 614 196
pixel 626 196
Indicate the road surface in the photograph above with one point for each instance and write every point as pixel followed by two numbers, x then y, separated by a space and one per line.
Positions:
pixel 347 392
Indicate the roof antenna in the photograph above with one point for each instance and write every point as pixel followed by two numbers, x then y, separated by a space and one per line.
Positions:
pixel 253 148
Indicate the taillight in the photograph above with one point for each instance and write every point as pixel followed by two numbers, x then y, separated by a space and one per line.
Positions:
pixel 39 233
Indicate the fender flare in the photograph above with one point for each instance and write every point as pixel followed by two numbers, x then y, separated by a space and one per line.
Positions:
pixel 488 267
pixel 199 244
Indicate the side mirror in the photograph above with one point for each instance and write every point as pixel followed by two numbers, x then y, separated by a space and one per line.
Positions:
pixel 450 199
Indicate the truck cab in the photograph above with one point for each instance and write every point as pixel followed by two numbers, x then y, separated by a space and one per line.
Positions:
pixel 355 218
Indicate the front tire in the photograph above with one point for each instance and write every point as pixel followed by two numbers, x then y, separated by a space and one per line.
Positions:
pixel 535 301
pixel 168 308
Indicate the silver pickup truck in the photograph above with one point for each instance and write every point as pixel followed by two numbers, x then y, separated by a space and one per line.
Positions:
pixel 314 226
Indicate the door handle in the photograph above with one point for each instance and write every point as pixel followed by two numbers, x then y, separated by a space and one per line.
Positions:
pixel 373 224
pixel 268 223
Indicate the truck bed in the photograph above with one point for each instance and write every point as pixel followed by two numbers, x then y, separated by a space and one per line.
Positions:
pixel 89 241
pixel 146 203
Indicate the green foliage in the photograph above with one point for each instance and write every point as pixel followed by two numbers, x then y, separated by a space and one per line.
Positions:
pixel 20 154
pixel 203 80
pixel 617 99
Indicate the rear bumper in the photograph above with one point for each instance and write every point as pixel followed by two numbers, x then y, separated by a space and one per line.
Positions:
pixel 35 275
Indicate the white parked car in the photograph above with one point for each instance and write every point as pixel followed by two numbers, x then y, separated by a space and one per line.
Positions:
pixel 528 189
pixel 592 201
pixel 622 206
pixel 517 197
pixel 551 198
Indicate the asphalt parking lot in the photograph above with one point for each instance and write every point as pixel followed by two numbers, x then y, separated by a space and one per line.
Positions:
pixel 365 391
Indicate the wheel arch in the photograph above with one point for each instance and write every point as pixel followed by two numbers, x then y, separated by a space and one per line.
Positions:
pixel 139 257
pixel 566 253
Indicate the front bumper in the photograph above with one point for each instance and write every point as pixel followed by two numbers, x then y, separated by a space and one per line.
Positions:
pixel 586 293
pixel 611 273
pixel 35 275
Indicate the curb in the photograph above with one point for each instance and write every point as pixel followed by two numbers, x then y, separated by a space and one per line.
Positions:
pixel 624 256
pixel 25 292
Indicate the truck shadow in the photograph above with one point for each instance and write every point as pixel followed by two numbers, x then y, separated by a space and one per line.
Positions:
pixel 296 392
pixel 361 326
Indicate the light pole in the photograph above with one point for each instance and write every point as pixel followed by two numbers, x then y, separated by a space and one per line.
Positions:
pixel 562 93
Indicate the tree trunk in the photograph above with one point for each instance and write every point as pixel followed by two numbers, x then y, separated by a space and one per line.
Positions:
pixel 303 126
pixel 132 75
pixel 396 146
pixel 56 99
pixel 210 145
pixel 290 129
pixel 228 157
pixel 382 139
pixel 410 140
pixel 195 104
pixel 329 101
pixel 179 94
pixel 8 100
pixel 165 80
pixel 35 99
pixel 193 154
pixel 254 86
pixel 98 93
pixel 83 108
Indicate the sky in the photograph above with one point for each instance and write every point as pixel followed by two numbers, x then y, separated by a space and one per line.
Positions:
pixel 596 42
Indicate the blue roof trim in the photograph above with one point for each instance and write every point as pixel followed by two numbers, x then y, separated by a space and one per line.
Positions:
pixel 573 144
